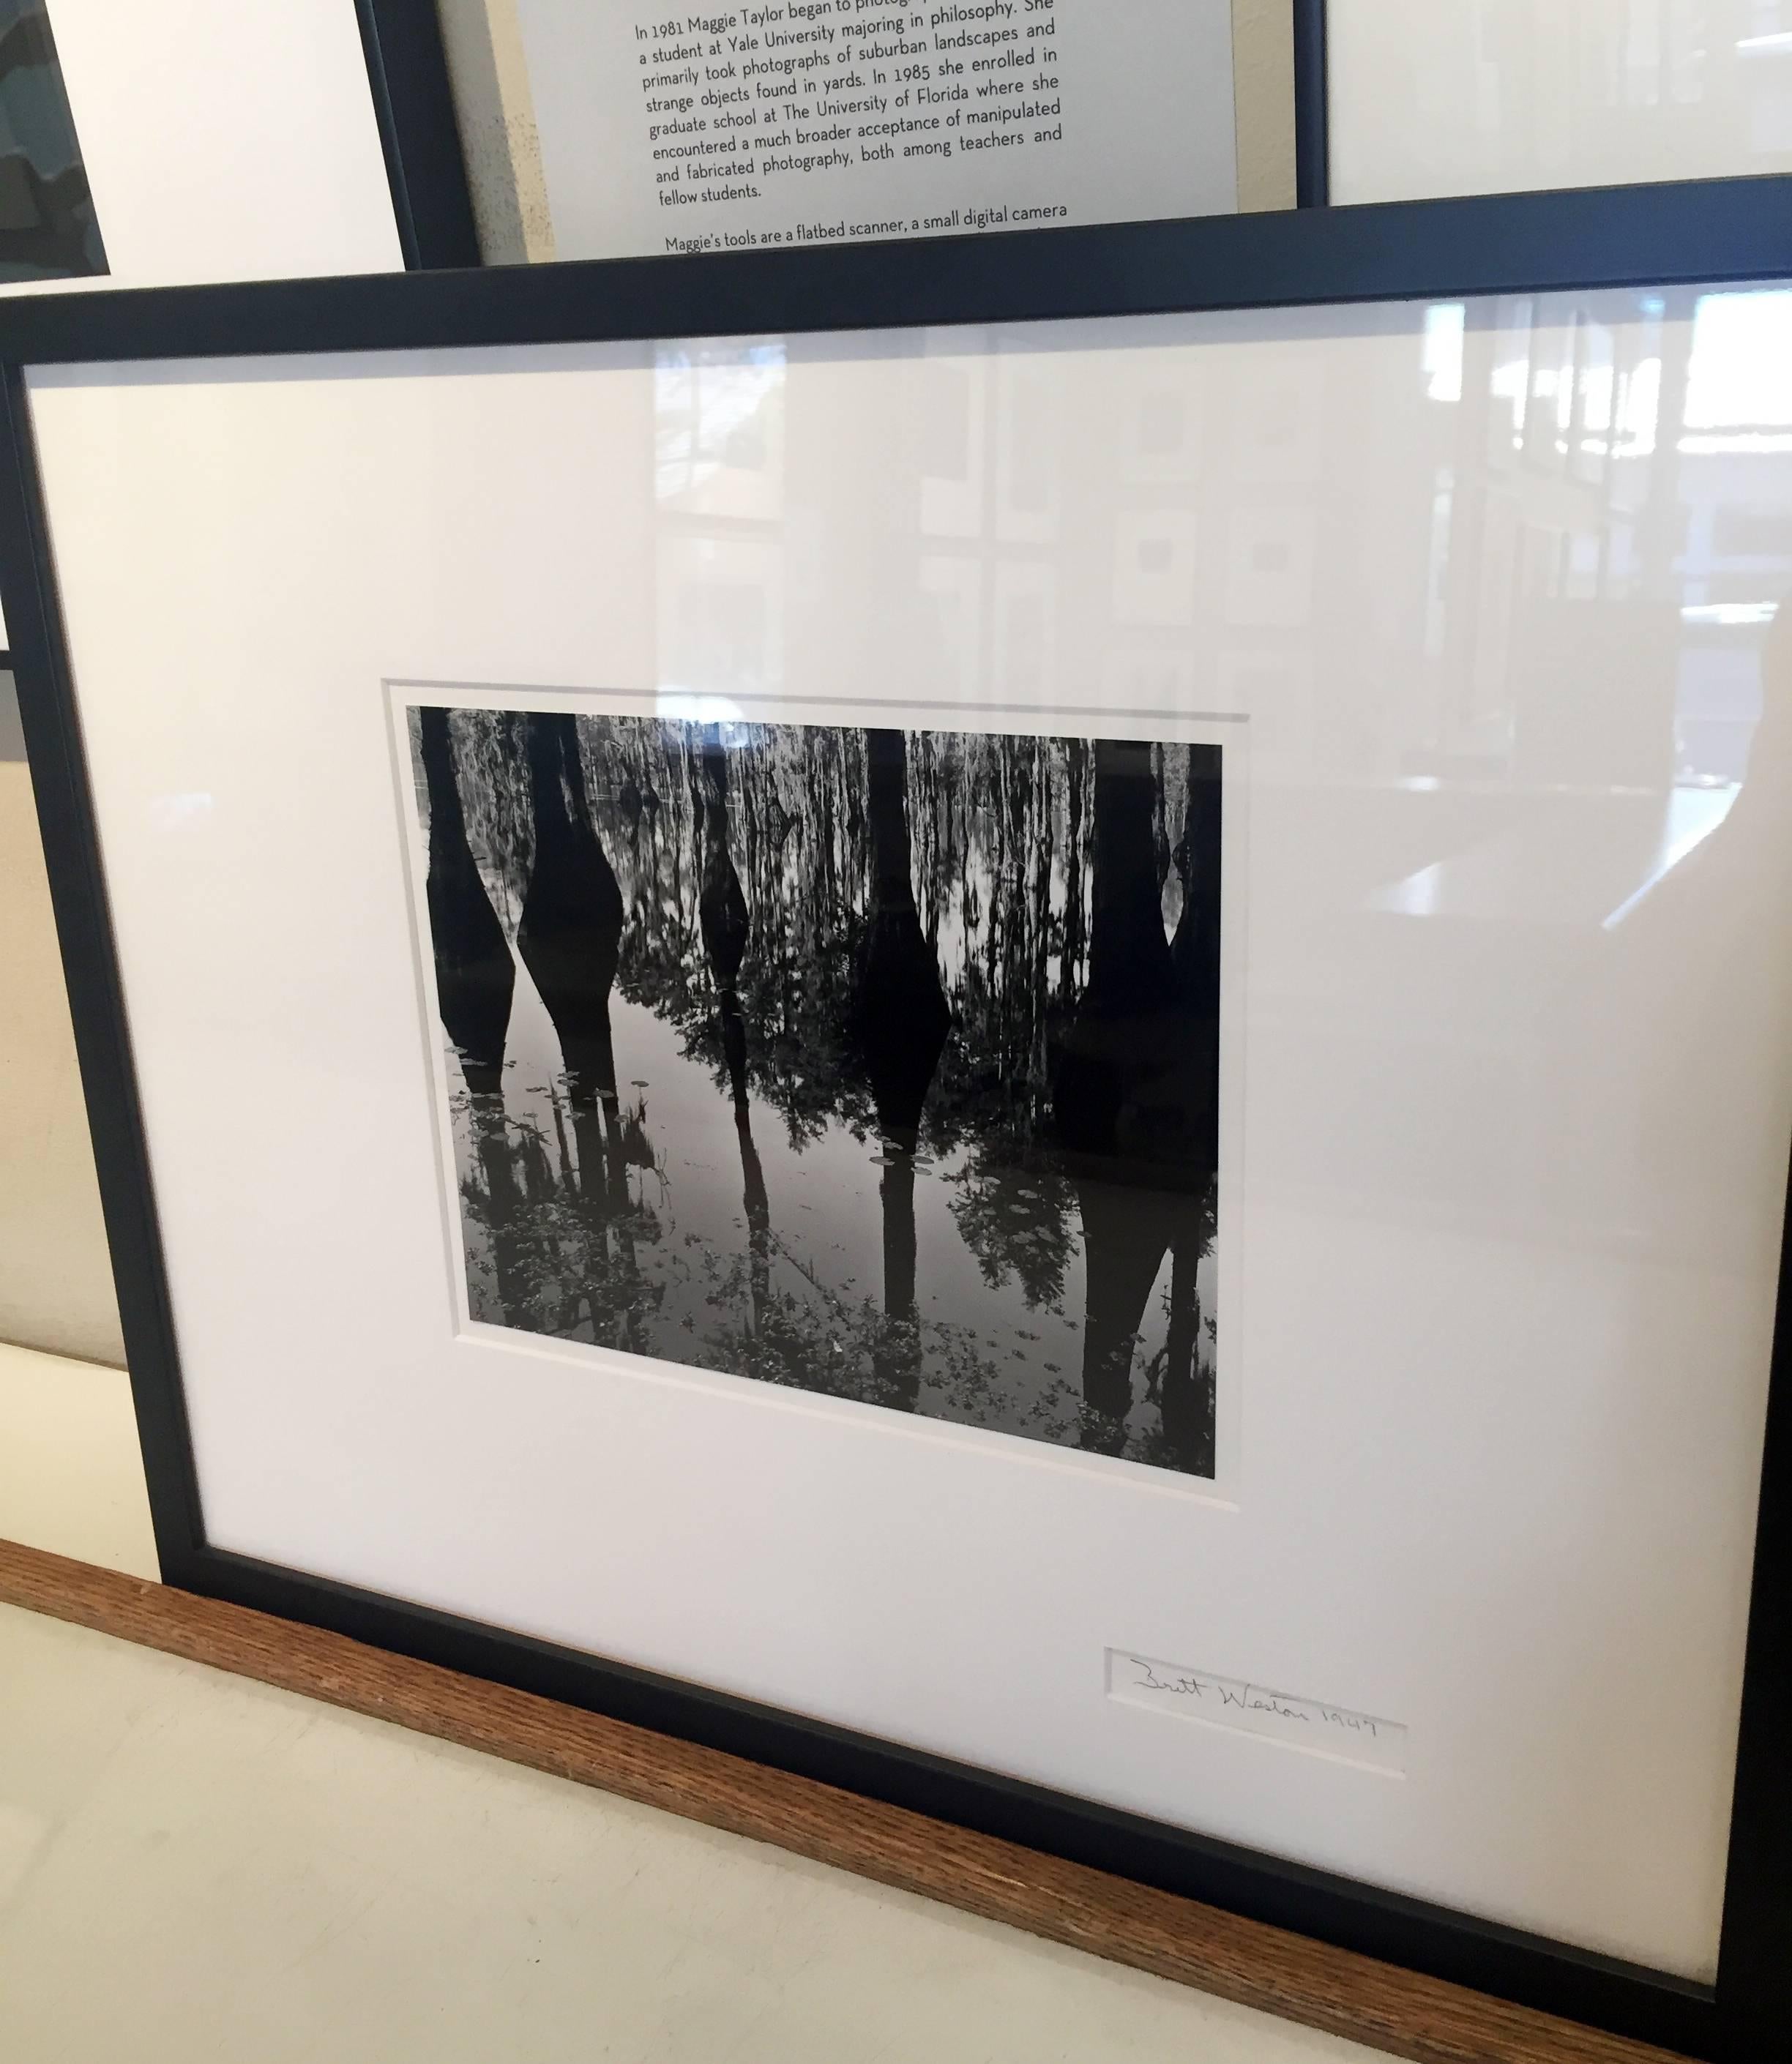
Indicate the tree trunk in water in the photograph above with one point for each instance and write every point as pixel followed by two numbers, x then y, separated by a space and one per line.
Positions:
pixel 902 1023
pixel 721 905
pixel 902 1018
pixel 571 929
pixel 474 976
pixel 1133 1093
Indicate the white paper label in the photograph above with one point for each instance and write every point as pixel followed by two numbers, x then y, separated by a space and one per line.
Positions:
pixel 1310 1724
pixel 673 128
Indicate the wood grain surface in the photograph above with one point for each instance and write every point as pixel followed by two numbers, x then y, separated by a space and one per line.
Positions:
pixel 1279 1973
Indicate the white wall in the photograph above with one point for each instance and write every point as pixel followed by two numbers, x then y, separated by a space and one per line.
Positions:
pixel 55 1279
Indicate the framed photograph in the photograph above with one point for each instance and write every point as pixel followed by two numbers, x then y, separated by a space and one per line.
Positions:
pixel 224 139
pixel 1023 1037
pixel 1053 1156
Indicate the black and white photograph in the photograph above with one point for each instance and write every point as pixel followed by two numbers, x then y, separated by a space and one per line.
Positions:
pixel 874 1063
pixel 47 227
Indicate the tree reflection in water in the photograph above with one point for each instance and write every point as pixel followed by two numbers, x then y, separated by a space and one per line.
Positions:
pixel 899 1021
pixel 945 1004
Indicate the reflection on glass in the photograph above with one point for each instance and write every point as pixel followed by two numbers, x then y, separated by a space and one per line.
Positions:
pixel 1499 95
pixel 951 408
pixel 1029 419
pixel 1609 535
pixel 1444 351
pixel 1739 386
pixel 819 1067
pixel 719 428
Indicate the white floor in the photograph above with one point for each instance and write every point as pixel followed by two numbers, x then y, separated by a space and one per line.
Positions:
pixel 194 1867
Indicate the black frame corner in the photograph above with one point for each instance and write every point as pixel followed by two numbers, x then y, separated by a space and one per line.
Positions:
pixel 414 102
pixel 1311 106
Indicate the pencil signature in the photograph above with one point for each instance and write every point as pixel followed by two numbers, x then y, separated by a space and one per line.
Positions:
pixel 1222 1693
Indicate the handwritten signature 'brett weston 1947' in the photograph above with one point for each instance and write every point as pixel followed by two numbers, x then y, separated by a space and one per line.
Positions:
pixel 1224 1701
pixel 1252 1700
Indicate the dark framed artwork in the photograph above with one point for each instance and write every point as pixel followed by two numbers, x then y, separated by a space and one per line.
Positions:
pixel 287 143
pixel 47 227
pixel 998 771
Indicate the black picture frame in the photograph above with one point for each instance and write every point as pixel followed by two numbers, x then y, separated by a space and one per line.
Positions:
pixel 414 103
pixel 1312 106
pixel 1726 232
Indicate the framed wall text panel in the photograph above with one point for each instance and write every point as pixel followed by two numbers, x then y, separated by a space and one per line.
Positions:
pixel 605 130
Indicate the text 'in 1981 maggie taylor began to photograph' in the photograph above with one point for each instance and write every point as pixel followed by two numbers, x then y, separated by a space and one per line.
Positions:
pixel 879 1064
